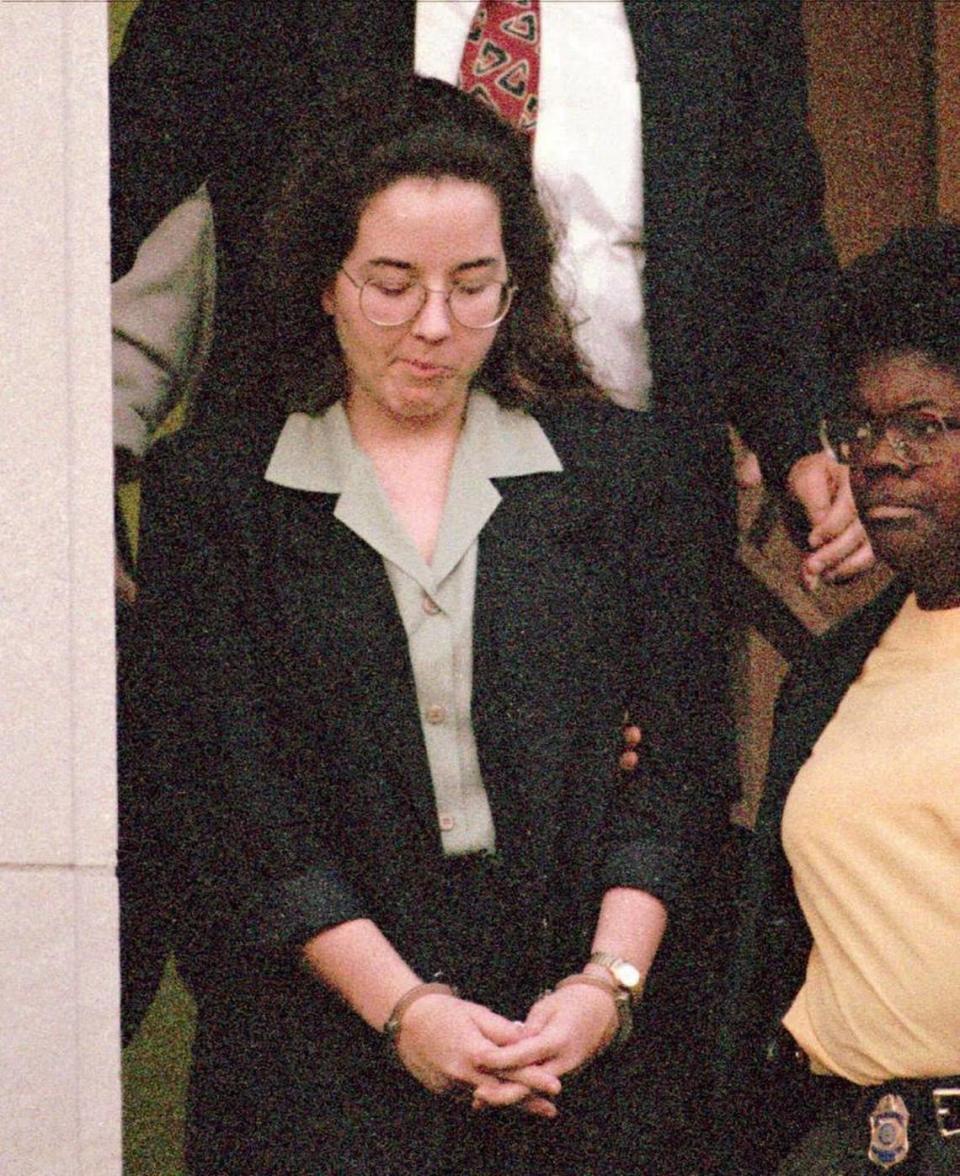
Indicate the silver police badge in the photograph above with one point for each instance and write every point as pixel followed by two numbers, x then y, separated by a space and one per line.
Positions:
pixel 888 1132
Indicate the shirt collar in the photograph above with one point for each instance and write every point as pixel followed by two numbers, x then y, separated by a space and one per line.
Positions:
pixel 316 453
pixel 319 454
pixel 313 452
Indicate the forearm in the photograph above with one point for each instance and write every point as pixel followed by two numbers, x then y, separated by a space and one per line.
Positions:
pixel 630 925
pixel 359 962
pixel 795 264
pixel 175 91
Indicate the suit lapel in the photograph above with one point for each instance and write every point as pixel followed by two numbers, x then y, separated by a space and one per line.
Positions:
pixel 345 642
pixel 347 638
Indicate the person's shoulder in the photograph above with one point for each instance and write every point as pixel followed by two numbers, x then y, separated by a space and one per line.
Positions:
pixel 216 459
pixel 599 435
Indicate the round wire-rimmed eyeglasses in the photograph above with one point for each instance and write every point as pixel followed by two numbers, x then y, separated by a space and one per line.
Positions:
pixel 475 305
pixel 916 436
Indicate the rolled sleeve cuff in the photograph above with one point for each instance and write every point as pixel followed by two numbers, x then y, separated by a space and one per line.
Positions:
pixel 287 914
pixel 665 871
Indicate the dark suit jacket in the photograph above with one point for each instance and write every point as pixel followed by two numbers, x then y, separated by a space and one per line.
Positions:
pixel 773 940
pixel 282 783
pixel 737 255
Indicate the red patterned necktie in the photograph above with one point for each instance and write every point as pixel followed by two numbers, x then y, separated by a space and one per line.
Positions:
pixel 501 59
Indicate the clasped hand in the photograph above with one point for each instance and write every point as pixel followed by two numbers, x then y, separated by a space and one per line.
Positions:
pixel 453 1046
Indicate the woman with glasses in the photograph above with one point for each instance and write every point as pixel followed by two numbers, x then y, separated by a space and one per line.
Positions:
pixel 389 622
pixel 845 1009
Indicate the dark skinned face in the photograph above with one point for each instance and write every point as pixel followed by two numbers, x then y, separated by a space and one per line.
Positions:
pixel 912 511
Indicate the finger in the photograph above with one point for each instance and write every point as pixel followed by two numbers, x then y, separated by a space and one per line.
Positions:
pixel 537 1081
pixel 815 495
pixel 815 481
pixel 542 1078
pixel 747 471
pixel 494 1091
pixel 514 1088
pixel 837 550
pixel 855 564
pixel 839 518
pixel 834 553
pixel 497 1029
pixel 531 1051
pixel 810 580
pixel 542 1108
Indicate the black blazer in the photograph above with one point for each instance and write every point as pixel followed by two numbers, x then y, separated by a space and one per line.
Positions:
pixel 773 941
pixel 280 782
pixel 261 613
pixel 737 255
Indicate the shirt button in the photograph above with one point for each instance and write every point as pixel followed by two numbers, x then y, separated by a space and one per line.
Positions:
pixel 430 606
pixel 436 714
pixel 447 822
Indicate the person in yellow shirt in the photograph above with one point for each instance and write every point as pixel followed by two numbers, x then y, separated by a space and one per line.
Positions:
pixel 844 1014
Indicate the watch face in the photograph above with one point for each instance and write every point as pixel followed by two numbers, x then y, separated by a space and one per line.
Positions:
pixel 626 974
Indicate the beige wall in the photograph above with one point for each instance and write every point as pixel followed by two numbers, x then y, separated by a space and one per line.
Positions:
pixel 59 1046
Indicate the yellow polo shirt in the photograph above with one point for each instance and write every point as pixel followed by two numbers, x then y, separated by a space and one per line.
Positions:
pixel 872 831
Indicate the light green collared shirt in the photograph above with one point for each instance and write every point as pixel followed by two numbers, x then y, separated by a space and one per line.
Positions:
pixel 435 601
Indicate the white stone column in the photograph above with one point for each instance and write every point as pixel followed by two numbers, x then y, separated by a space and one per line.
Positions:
pixel 59 1039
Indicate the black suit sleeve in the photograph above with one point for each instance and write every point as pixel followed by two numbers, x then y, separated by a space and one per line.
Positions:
pixel 670 816
pixel 218 816
pixel 789 255
pixel 195 82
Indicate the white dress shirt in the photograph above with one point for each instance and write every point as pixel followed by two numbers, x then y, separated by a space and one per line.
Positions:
pixel 588 162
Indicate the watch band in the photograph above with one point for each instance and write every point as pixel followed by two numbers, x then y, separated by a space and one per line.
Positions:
pixel 625 975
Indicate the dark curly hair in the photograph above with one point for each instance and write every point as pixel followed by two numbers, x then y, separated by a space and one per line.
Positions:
pixel 345 153
pixel 902 299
